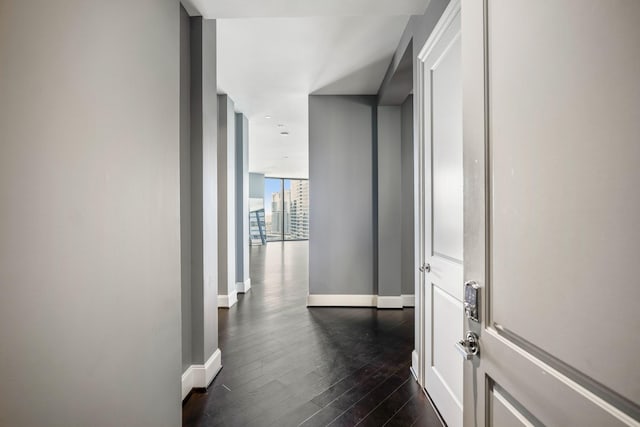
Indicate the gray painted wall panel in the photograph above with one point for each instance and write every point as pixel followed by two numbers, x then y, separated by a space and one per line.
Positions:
pixel 204 217
pixel 414 37
pixel 90 231
pixel 242 198
pixel 408 227
pixel 185 186
pixel 389 201
pixel 256 185
pixel 209 185
pixel 226 196
pixel 341 244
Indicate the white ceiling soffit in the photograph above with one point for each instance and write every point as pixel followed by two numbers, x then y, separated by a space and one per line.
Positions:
pixel 302 8
pixel 269 66
pixel 274 53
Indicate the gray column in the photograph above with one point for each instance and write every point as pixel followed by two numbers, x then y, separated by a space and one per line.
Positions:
pixel 227 293
pixel 204 234
pixel 243 282
pixel 185 187
pixel 408 229
pixel 389 207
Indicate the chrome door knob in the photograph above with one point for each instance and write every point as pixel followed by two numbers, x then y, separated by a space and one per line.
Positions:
pixel 468 347
pixel 425 268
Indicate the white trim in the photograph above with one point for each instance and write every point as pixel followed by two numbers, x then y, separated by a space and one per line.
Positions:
pixel 321 300
pixel 243 287
pixel 448 16
pixel 342 300
pixel 227 301
pixel 422 360
pixel 187 381
pixel 415 365
pixel 200 376
pixel 204 374
pixel 408 301
pixel 389 302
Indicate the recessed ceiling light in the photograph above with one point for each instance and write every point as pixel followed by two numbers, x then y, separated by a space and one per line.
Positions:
pixel 284 133
pixel 267 116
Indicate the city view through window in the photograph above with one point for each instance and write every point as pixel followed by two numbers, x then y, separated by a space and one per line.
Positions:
pixel 286 203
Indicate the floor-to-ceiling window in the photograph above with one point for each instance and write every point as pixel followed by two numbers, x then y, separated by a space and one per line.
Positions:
pixel 286 209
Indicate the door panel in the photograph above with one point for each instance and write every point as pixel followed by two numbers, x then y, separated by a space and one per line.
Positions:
pixel 446 160
pixel 447 322
pixel 551 125
pixel 441 139
pixel 551 396
pixel 504 411
pixel 559 178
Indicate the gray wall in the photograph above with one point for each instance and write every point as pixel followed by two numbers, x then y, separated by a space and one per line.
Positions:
pixel 226 197
pixel 90 232
pixel 256 185
pixel 185 186
pixel 341 178
pixel 242 198
pixel 389 202
pixel 408 226
pixel 204 217
pixel 412 41
pixel 396 89
pixel 362 174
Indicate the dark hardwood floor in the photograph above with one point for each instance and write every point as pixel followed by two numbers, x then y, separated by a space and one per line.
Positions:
pixel 288 365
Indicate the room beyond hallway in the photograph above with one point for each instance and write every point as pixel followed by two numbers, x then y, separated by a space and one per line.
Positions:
pixel 287 365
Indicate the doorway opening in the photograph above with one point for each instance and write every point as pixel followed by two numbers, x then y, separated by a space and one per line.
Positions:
pixel 285 215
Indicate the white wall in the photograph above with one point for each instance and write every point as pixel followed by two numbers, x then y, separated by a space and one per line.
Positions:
pixel 89 218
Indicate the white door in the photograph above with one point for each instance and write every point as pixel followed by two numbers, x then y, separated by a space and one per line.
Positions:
pixel 552 211
pixel 441 140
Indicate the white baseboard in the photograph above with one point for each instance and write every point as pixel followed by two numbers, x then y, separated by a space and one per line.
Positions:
pixel 414 364
pixel 408 300
pixel 200 376
pixel 227 301
pixel 319 300
pixel 243 287
pixel 389 302
pixel 187 381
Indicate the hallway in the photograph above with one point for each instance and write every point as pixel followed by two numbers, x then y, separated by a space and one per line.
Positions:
pixel 286 365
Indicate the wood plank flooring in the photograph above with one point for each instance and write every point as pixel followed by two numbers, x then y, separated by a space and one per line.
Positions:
pixel 288 365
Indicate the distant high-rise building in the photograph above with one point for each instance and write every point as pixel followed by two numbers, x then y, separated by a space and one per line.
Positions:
pixel 280 218
pixel 299 209
pixel 289 217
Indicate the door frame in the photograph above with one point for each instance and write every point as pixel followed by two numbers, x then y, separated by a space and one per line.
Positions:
pixel 420 360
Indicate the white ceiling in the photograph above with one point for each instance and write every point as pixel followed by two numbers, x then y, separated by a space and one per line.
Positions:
pixel 302 8
pixel 269 65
